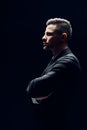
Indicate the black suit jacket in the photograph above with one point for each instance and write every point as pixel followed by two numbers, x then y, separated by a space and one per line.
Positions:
pixel 61 73
pixel 61 78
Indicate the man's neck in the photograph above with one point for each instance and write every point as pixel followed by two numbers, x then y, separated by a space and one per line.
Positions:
pixel 56 51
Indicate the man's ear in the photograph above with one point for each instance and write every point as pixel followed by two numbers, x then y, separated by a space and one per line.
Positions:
pixel 64 35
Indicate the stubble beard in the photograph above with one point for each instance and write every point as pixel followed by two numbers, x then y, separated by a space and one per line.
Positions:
pixel 44 48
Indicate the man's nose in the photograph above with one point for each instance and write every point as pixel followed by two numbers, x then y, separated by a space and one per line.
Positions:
pixel 44 37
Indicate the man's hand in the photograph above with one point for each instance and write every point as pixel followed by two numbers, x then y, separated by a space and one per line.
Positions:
pixel 36 100
pixel 41 98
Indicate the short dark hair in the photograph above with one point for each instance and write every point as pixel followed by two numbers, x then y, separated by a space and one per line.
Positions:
pixel 63 25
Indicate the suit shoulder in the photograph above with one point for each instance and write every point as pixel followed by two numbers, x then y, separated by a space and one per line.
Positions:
pixel 68 60
pixel 70 57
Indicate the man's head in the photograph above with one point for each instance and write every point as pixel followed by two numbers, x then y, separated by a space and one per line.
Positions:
pixel 58 31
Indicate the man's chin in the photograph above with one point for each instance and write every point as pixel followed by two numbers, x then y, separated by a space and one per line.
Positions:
pixel 44 48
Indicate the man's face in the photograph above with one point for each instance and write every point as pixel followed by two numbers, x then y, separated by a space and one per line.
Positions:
pixel 50 38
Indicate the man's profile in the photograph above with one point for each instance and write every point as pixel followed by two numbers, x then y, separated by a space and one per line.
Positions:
pixel 52 91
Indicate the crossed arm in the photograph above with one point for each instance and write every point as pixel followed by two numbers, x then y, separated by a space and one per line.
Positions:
pixel 42 87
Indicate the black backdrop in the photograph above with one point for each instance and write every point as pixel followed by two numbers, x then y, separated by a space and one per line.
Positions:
pixel 24 59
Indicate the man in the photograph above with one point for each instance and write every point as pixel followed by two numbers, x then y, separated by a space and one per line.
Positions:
pixel 52 92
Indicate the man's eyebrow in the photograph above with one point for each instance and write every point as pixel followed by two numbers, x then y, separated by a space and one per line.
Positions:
pixel 49 33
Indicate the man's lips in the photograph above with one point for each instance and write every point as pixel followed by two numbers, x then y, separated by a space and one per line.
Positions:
pixel 44 44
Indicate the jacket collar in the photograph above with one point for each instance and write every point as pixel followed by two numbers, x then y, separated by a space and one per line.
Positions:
pixel 63 52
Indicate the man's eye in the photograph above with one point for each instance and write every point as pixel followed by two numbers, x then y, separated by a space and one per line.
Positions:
pixel 49 34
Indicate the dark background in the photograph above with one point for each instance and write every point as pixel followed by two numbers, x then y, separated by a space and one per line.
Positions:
pixel 22 56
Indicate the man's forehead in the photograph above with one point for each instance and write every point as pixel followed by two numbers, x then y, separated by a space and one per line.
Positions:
pixel 51 27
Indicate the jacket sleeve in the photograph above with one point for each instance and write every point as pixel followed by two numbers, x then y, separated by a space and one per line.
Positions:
pixel 54 79
pixel 42 86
